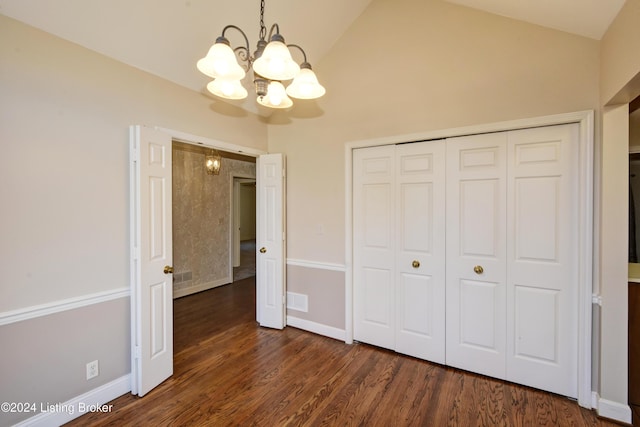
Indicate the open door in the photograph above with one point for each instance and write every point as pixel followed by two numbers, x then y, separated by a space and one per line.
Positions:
pixel 270 241
pixel 151 259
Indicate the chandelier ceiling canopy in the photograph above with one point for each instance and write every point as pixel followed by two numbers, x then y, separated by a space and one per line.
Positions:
pixel 271 64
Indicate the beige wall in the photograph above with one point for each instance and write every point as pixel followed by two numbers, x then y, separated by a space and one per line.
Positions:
pixel 455 67
pixel 619 84
pixel 64 121
pixel 65 114
pixel 248 211
pixel 620 62
pixel 325 308
pixel 614 254
pixel 43 359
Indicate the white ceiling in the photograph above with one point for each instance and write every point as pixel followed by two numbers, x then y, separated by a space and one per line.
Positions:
pixel 166 38
pixel 588 18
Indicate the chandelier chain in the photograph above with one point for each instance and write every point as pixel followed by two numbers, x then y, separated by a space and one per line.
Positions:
pixel 263 29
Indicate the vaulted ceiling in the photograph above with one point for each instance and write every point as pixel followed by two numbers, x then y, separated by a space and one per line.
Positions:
pixel 166 38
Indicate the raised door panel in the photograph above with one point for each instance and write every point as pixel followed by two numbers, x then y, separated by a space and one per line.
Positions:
pixel 374 246
pixel 420 277
pixel 270 283
pixel 542 286
pixel 152 297
pixel 476 253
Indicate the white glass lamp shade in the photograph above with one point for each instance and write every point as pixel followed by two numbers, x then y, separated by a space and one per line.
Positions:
pixel 305 85
pixel 276 97
pixel 276 62
pixel 221 62
pixel 227 88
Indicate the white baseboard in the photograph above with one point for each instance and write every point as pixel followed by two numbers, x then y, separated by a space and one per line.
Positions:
pixel 205 286
pixel 316 328
pixel 613 410
pixel 92 401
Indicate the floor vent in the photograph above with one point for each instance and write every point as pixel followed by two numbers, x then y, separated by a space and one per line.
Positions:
pixel 298 302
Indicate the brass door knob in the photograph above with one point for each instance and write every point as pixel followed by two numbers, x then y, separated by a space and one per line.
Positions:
pixel 415 263
pixel 263 250
pixel 478 269
pixel 168 269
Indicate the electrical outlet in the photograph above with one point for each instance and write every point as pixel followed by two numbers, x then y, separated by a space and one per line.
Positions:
pixel 92 369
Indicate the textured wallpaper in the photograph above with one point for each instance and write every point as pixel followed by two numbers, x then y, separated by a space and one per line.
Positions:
pixel 201 221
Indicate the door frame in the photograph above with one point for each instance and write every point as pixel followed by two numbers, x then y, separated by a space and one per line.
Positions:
pixel 585 119
pixel 186 138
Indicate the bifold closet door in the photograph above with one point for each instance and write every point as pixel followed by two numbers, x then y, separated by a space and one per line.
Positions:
pixel 374 246
pixel 512 242
pixel 398 208
pixel 476 253
pixel 542 250
pixel 420 250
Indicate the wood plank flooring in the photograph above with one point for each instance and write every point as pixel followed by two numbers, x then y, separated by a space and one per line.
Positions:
pixel 230 372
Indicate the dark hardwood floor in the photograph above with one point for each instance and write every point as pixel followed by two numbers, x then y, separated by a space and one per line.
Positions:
pixel 230 372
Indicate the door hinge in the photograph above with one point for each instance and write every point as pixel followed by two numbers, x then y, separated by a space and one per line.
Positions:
pixel 284 299
pixel 137 352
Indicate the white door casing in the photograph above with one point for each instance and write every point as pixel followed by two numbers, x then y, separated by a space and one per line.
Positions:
pixel 542 274
pixel 476 253
pixel 151 246
pixel 420 254
pixel 270 241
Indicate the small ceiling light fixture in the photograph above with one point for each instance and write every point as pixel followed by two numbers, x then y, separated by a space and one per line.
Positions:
pixel 271 65
pixel 213 162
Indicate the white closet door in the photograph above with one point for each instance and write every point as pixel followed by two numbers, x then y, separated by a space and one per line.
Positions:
pixel 476 253
pixel 420 250
pixel 542 256
pixel 374 246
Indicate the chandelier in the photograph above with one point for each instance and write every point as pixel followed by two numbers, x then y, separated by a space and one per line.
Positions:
pixel 271 65
pixel 212 163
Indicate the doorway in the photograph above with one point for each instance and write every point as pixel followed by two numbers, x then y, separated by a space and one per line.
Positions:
pixel 151 247
pixel 207 211
pixel 244 227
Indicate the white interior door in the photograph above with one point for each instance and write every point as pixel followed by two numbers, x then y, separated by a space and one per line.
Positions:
pixel 374 246
pixel 152 257
pixel 542 284
pixel 476 253
pixel 270 241
pixel 420 254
